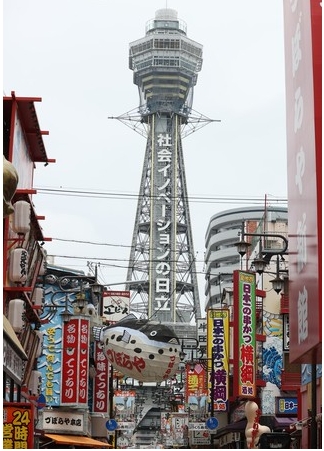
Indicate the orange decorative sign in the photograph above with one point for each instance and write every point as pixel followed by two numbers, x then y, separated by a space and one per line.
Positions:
pixel 18 426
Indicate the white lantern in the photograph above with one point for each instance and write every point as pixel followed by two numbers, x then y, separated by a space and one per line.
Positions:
pixel 35 383
pixel 21 217
pixel 15 314
pixel 40 343
pixel 18 267
pixel 38 297
pixel 43 266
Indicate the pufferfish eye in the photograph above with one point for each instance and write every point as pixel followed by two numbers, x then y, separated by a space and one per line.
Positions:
pixel 153 333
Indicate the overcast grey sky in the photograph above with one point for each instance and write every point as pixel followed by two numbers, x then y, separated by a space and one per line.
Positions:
pixel 74 55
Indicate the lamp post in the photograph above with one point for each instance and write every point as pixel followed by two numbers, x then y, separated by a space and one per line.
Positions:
pixel 265 254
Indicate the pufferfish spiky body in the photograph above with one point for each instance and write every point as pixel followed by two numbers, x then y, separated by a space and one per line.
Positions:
pixel 145 350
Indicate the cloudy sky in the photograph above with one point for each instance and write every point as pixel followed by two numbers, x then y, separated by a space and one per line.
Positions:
pixel 74 55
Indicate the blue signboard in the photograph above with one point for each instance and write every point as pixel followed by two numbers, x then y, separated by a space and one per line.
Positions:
pixel 111 425
pixel 286 406
pixel 212 423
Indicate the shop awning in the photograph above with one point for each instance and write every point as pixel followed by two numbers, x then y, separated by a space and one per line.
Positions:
pixel 77 440
pixel 284 422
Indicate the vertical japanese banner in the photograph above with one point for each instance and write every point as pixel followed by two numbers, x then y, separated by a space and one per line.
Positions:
pixel 75 362
pixel 179 429
pixel 244 384
pixel 70 358
pixel 196 378
pixel 101 381
pixel 83 375
pixel 303 60
pixel 218 356
pixel 18 426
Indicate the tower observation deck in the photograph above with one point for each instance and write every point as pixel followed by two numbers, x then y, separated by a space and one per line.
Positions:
pixel 162 269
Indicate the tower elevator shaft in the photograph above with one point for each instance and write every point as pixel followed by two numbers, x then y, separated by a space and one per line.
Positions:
pixel 162 268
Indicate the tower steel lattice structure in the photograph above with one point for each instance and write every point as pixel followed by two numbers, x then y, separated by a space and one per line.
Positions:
pixel 162 268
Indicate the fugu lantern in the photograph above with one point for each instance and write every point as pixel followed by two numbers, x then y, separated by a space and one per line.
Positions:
pixel 145 350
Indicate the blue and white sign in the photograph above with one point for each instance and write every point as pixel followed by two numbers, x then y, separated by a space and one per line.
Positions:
pixel 111 425
pixel 212 423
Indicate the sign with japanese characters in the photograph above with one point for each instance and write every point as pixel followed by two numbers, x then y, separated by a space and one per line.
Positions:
pixel 115 305
pixel 179 429
pixel 162 223
pixel 218 357
pixel 18 426
pixel 244 335
pixel 13 364
pixel 202 333
pixel 196 377
pixel 303 56
pixel 286 406
pixel 75 362
pixel 199 436
pixel 101 380
pixel 64 422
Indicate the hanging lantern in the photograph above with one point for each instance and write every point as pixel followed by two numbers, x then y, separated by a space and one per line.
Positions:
pixel 43 266
pixel 10 182
pixel 40 343
pixel 145 350
pixel 15 314
pixel 18 267
pixel 21 217
pixel 38 297
pixel 35 383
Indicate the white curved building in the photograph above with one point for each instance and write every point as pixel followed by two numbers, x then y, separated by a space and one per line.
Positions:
pixel 221 256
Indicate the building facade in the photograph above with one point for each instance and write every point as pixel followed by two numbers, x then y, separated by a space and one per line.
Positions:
pixel 24 262
pixel 223 232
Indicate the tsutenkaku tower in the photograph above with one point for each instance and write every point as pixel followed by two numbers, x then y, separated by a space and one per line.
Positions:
pixel 162 268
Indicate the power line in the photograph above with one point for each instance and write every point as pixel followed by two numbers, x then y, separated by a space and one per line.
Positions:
pixel 74 192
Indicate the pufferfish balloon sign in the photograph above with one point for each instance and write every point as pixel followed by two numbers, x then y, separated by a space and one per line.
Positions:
pixel 146 350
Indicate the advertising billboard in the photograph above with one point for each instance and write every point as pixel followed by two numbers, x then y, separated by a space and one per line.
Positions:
pixel 218 355
pixel 244 365
pixel 303 59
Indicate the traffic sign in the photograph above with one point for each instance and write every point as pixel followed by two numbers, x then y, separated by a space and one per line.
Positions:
pixel 212 423
pixel 111 425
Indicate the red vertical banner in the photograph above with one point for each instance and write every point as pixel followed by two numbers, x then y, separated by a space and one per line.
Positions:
pixel 303 60
pixel 244 384
pixel 75 362
pixel 83 375
pixel 196 378
pixel 18 426
pixel 101 381
pixel 70 358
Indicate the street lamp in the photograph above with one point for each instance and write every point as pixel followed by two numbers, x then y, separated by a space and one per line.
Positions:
pixel 278 282
pixel 264 256
pixel 66 314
